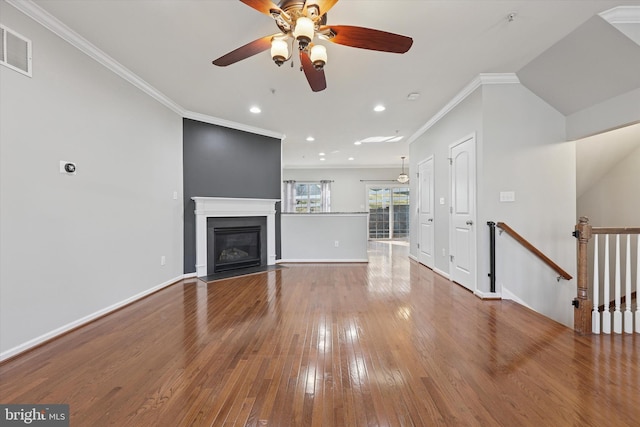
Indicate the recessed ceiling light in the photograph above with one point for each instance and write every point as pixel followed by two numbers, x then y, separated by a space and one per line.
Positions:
pixel 320 154
pixel 351 158
pixel 379 108
pixel 413 96
pixel 310 139
pixel 357 143
pixel 322 159
pixel 255 110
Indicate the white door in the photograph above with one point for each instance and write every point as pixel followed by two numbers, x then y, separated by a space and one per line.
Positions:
pixel 426 216
pixel 463 208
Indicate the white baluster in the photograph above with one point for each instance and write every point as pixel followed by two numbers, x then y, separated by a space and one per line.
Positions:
pixel 628 315
pixel 595 314
pixel 637 283
pixel 606 314
pixel 617 314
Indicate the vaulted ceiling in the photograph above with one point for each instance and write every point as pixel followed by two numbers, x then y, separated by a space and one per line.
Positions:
pixel 170 45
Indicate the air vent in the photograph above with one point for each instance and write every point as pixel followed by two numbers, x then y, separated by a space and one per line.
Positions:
pixel 15 51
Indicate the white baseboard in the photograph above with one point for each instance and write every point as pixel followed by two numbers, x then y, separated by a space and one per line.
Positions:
pixel 84 320
pixel 442 273
pixel 319 261
pixel 487 295
pixel 413 258
pixel 506 294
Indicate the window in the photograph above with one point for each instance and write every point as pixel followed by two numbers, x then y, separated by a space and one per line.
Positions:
pixel 307 197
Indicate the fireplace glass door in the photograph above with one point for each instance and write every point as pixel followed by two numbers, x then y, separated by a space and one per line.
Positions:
pixel 236 247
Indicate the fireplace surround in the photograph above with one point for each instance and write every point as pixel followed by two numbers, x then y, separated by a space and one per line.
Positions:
pixel 222 207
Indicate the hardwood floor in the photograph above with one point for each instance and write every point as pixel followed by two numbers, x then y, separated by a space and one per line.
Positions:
pixel 387 343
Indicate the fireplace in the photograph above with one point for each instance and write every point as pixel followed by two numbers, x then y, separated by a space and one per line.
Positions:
pixel 220 212
pixel 235 243
pixel 236 248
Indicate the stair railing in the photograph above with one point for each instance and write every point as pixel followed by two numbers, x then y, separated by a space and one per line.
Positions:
pixel 562 274
pixel 589 316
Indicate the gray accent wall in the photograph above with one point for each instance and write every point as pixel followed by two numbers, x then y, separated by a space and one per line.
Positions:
pixel 224 162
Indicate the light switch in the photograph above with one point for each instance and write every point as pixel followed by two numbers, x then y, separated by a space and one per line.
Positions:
pixel 442 200
pixel 507 196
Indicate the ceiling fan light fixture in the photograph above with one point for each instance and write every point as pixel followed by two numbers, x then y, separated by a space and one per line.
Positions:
pixel 279 51
pixel 318 56
pixel 303 31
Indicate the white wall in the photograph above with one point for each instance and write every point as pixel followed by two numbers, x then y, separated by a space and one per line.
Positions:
pixel 348 193
pixel 520 148
pixel 460 122
pixel 614 200
pixel 523 151
pixel 324 237
pixel 74 246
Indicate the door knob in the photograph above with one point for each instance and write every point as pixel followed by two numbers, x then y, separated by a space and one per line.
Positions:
pixel 430 220
pixel 469 222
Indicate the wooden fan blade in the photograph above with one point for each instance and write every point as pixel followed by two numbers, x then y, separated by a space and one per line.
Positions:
pixel 262 6
pixel 367 38
pixel 315 77
pixel 323 5
pixel 244 52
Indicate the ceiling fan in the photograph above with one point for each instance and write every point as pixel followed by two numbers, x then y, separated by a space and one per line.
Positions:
pixel 304 21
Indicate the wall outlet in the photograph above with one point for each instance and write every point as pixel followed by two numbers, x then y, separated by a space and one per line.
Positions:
pixel 175 195
pixel 163 260
pixel 444 252
pixel 336 243
pixel 442 200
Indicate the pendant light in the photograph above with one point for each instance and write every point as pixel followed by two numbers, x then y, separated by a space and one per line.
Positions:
pixel 403 178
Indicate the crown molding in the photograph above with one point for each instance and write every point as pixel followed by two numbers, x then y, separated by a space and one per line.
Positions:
pixel 480 80
pixel 229 124
pixel 53 24
pixel 622 15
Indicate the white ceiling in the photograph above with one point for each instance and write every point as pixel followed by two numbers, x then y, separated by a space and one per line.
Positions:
pixel 170 44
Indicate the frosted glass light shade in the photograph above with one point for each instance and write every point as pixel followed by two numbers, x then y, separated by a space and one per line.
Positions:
pixel 318 56
pixel 303 32
pixel 279 51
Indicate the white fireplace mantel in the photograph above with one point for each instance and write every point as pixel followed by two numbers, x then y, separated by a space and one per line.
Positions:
pixel 207 207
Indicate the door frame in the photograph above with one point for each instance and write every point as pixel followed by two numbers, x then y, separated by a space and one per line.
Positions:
pixel 474 278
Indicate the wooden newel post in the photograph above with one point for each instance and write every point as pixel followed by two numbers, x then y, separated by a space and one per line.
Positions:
pixel 582 304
